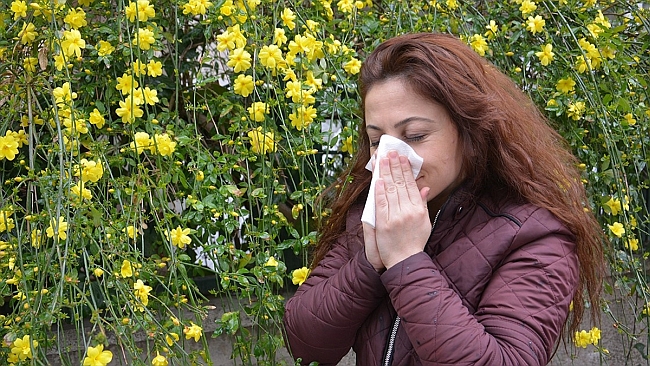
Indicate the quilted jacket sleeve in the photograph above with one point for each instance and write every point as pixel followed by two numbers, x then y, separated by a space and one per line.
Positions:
pixel 519 317
pixel 322 318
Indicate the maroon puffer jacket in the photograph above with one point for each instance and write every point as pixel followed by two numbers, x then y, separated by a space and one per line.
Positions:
pixel 492 288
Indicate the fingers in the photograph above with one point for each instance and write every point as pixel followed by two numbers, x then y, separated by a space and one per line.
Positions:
pixel 400 185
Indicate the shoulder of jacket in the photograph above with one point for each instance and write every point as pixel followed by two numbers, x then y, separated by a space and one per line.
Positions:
pixel 353 218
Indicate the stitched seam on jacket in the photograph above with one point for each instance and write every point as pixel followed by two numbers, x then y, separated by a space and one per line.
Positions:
pixel 493 214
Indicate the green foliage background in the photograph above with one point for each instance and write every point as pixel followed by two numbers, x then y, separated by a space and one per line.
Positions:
pixel 241 186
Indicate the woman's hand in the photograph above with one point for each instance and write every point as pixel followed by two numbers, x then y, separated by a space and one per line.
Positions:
pixel 372 253
pixel 402 225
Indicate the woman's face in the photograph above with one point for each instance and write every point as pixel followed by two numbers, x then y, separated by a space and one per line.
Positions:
pixel 393 108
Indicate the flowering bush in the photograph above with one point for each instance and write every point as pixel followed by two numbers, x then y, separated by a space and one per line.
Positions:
pixel 147 145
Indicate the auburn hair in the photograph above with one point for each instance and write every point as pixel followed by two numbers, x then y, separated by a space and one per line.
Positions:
pixel 506 142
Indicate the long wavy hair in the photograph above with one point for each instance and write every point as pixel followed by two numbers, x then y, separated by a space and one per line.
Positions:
pixel 506 142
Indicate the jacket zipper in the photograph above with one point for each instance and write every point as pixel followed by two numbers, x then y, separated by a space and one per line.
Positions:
pixel 391 342
pixel 393 333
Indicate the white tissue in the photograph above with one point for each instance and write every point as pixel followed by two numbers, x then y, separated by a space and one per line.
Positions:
pixel 386 144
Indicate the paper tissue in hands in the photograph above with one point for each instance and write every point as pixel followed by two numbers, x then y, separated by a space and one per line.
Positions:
pixel 386 144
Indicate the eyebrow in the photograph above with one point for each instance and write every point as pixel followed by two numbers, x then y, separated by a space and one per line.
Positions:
pixel 401 123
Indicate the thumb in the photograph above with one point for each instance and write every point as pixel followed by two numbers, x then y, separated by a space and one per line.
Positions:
pixel 424 192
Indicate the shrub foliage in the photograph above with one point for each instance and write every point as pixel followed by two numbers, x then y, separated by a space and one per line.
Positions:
pixel 157 156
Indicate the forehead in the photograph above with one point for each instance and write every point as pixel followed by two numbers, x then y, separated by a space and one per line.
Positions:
pixel 392 102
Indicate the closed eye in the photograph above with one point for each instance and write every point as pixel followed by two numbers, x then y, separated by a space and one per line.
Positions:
pixel 415 138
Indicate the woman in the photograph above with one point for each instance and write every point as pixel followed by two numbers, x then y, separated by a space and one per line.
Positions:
pixel 473 262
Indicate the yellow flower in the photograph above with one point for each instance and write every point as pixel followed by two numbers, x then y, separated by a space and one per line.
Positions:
pixel 608 52
pixel 6 222
pixel 8 147
pixel 226 41
pixel 20 137
pixel 141 141
pixel 632 244
pixel 576 110
pixel 262 142
pixel 312 81
pixel 345 6
pixel 80 192
pixel 353 66
pixel 238 34
pixel 244 85
pixel 565 85
pixel 298 276
pixel 193 331
pixel 130 231
pixel 104 48
pixel 582 65
pixel 617 229
pixel 36 236
pixel 301 44
pixel 594 29
pixel 57 230
pixel 452 4
pixel 614 205
pixel 293 90
pixel 479 44
pixel 28 33
pixel 143 10
pixel 126 83
pixel 150 96
pixel 271 57
pixel 63 94
pixel 162 144
pixel 546 54
pixel 59 61
pixel 76 127
pixel 288 18
pixel 22 348
pixel 90 170
pixel 527 7
pixel 594 336
pixel 602 20
pixel 76 18
pixel 171 338
pixel 347 145
pixel 96 356
pixel 302 117
pixel 72 43
pixel 279 37
pixel 272 262
pixel 239 60
pixel 29 64
pixel 98 272
pixel 129 110
pixel 139 68
pixel 159 360
pixel 535 24
pixel 141 291
pixel 629 119
pixel 333 45
pixel 582 339
pixel 19 8
pixel 179 237
pixel 491 30
pixel 257 111
pixel 127 269
pixel 196 7
pixel 96 118
pixel 154 68
pixel 144 39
